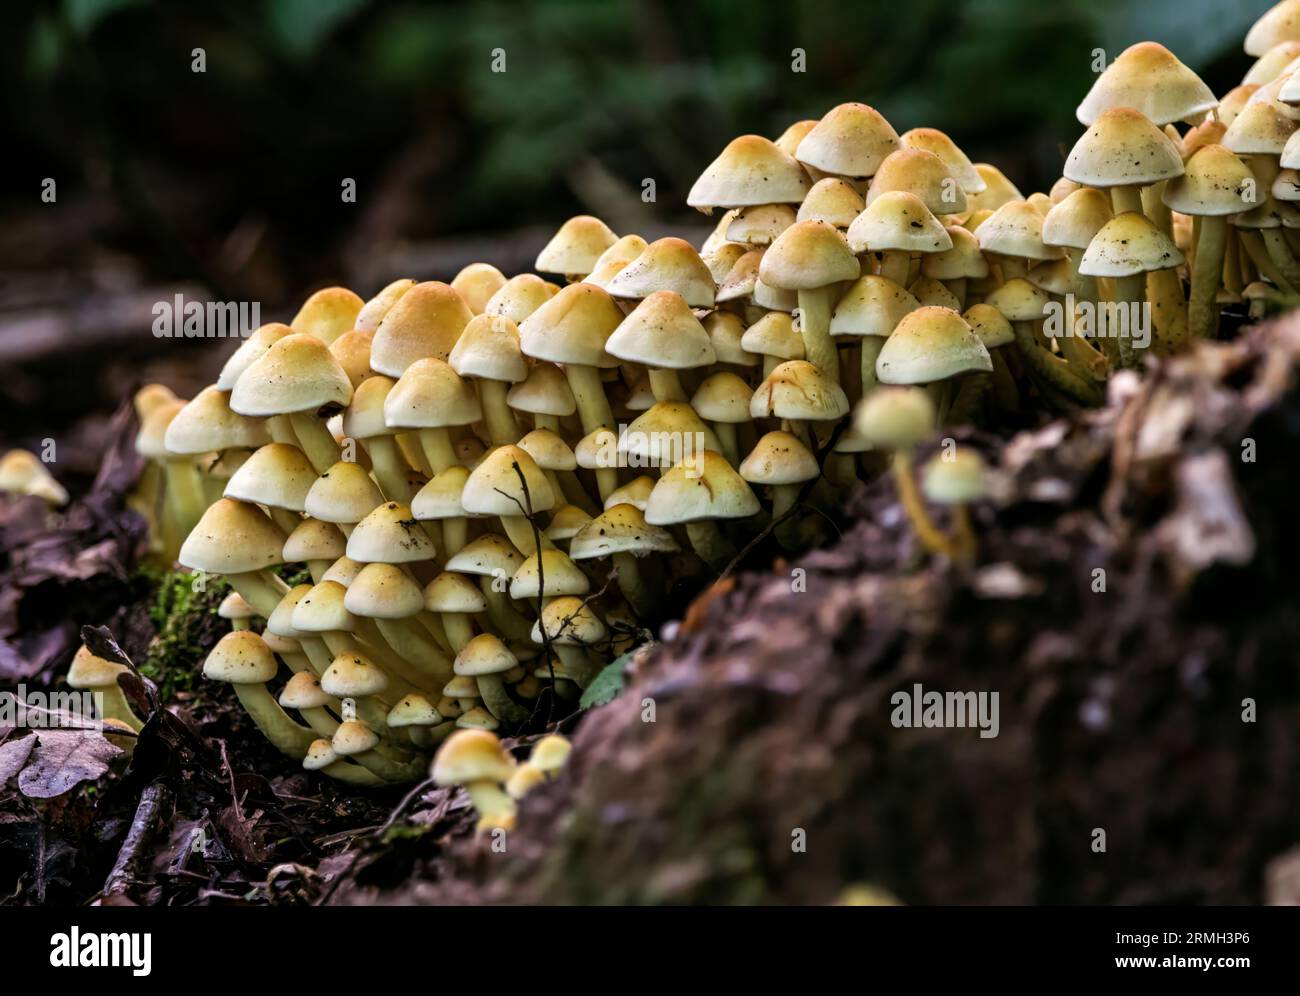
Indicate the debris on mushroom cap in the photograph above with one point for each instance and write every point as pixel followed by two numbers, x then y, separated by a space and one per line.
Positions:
pixel 569 620
pixel 1129 244
pixel 390 535
pixel 320 754
pixel 353 675
pixel 507 482
pixel 242 658
pixel 303 691
pixel 779 458
pixel 898 221
pixel 621 528
pixel 89 671
pixel 1122 148
pixel 798 390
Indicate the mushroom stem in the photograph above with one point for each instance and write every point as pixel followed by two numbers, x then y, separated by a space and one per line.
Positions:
pixel 407 638
pixel 111 703
pixel 707 540
pixel 1125 199
pixel 577 665
pixel 1085 358
pixel 963 541
pixel 497 415
pixel 1004 383
pixel 285 735
pixel 455 534
pixel 970 398
pixel 909 497
pixel 1202 309
pixel 260 589
pixel 281 430
pixel 184 492
pixel 631 582
pixel 667 386
pixel 459 629
pixel 726 433
pixel 1054 370
pixel 520 532
pixel 287 521
pixel 589 395
pixel 815 327
pixel 390 468
pixel 871 347
pixel 493 805
pixel 784 498
pixel 1253 243
pixel 315 441
pixel 1130 291
pixel 1279 251
pixel 492 690
pixel 438 449
pixel 506 619
pixel 894 265
pixel 353 774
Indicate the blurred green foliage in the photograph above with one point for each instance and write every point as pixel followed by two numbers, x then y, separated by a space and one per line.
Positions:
pixel 299 93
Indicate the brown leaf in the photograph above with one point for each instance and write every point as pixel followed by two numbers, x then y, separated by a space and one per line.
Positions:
pixel 63 759
pixel 13 756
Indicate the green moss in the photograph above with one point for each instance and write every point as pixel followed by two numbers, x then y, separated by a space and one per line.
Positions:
pixel 187 624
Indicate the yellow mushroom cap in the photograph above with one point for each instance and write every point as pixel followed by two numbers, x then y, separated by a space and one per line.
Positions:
pixel 570 621
pixel 390 535
pixel 688 493
pixel 303 691
pixel 575 247
pixel 1148 78
pixel 797 389
pixel 1123 148
pixel 476 283
pixel 424 322
pixel 954 477
pixel 485 555
pixel 662 332
pixel 314 540
pixel 954 160
pixel 440 498
pixel 670 264
pixel 485 654
pixel 1129 244
pixel 384 591
pixel 328 313
pixel 344 493
pixel 431 395
pixel 451 592
pixel 241 658
pixel 572 327
pixel 898 221
pixel 374 310
pixel 489 347
pixel 808 255
pixel 243 357
pixel 621 528
pixel 895 418
pixel 750 170
pixel 277 475
pixel 472 756
pixel 353 737
pixel 559 574
pixel 1280 23
pixel 206 424
pixel 413 710
pixel 88 671
pixel 1077 218
pixel 922 173
pixel 850 140
pixel 353 675
pixel 1216 182
pixel 232 537
pixel 297 374
pixel 779 458
pixel 520 296
pixel 495 487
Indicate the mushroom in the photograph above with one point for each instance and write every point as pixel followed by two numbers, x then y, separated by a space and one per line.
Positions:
pixel 374 310
pixel 751 170
pixel 575 248
pixel 22 473
pixel 424 322
pixel 622 533
pixel 699 498
pixel 520 296
pixel 432 398
pixel 775 338
pixel 278 476
pixel 238 611
pixel 956 478
pixel 239 540
pixel 89 673
pixel 314 543
pixel 439 500
pixel 344 494
pixel 393 601
pixel 488 351
pixel 871 309
pixel 571 628
pixel 663 334
pixel 544 394
pixel 476 760
pixel 897 224
pixel 327 314
pixel 558 462
pixel 485 658
pixel 784 463
pixel 491 557
pixel 851 140
pixel 1071 225
pixel 723 399
pixel 476 283
pixel 242 659
pixel 365 421
pixel 510 485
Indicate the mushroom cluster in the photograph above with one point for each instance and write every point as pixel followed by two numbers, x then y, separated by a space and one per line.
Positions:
pixel 487 478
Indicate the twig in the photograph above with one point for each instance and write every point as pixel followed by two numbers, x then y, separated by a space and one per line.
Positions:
pixel 151 803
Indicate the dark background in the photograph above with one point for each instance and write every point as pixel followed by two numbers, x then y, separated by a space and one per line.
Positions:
pixel 227 182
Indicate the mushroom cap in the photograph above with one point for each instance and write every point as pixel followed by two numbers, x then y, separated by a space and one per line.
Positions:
pixel 798 390
pixel 1148 78
pixel 353 737
pixel 575 247
pixel 1053 276
pixel 850 140
pixel 929 345
pixel 248 351
pixel 1269 66
pixel 1129 244
pixel 964 261
pixel 635 492
pixel 1077 218
pixel 1290 158
pixel 440 498
pixel 555 570
pixel 750 170
pixel 364 418
pixel 570 621
pixel 344 571
pixel 990 325
pixel 1287 185
pixel 373 311
pixel 779 458
pixel 477 718
pixel 88 671
pixel 383 591
pixel 572 327
pixel 617 256
pixel 726 330
pixel 788 141
pixel 723 397
pixel 232 537
pixel 873 305
pixel 150 440
pixel 424 322
pixel 472 756
pixel 494 487
pixel 1018 300
pixel 322 610
pixel 774 335
pixel 1280 23
pixel 352 350
pixel 1216 183
pixel 461 687
pixel 1016 229
pixel 241 657
pixel 390 535
pixel 277 475
pixel 413 709
pixel 485 654
pixel 773 298
pixel 281 644
pixel 489 347
pixel 1122 148
pixel 314 540
pixel 832 200
pixel 520 296
pixel 353 675
pixel 898 221
pixel 280 621
pixel 524 780
pixel 954 160
pixel 659 436
pixel 545 391
pixel 921 173
pixel 954 477
pixel 452 592
pixel 21 472
pixel 344 493
pixel 297 374
pixel 206 424
pixel 741 278
pixel 931 293
pixel 808 255
pixel 757 225
pixel 550 754
pixel 320 754
pixel 485 555
pixel 151 396
pixel 997 191
pixel 663 333
pixel 566 522
pixel 327 314
pixel 621 528
pixel 233 606
pixel 476 283
pixel 666 264
pixel 303 691
pixel 431 395
pixel 1259 130
pixel 687 494
pixel 895 418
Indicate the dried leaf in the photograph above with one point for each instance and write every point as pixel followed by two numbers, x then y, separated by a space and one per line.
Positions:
pixel 13 756
pixel 62 759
